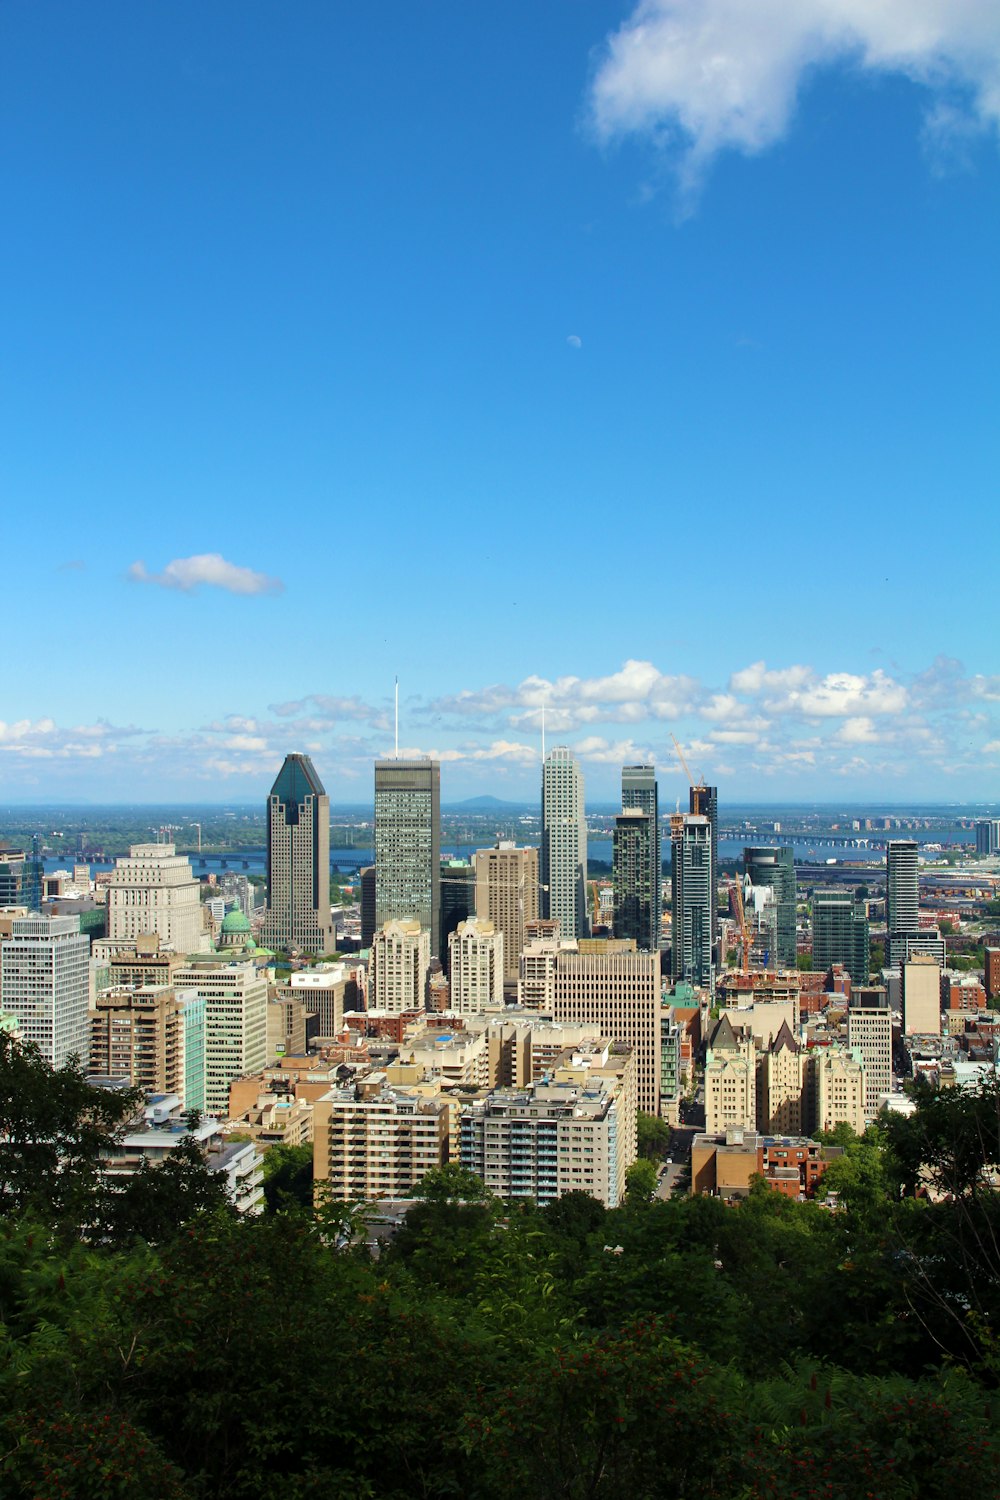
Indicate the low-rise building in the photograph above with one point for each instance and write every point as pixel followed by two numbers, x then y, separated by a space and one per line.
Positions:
pixel 164 1125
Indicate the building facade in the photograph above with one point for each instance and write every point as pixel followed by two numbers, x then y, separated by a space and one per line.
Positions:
pixel 840 933
pixel 773 869
pixel 376 1142
pixel 620 993
pixel 476 967
pixel 640 790
pixel 298 862
pixel 45 985
pixel 153 891
pixel 507 896
pixel 408 845
pixel 399 965
pixel 902 887
pixel 869 1032
pixel 235 998
pixel 564 843
pixel 703 802
pixel 693 903
pixel 636 904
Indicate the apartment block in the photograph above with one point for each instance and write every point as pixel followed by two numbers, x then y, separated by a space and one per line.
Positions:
pixel 730 1079
pixel 399 965
pixel 507 896
pixel 376 1143
pixel 618 991
pixel 476 967
pixel 235 997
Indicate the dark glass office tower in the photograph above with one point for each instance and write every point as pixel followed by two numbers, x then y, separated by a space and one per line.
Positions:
pixel 632 879
pixel 703 802
pixel 776 868
pixel 298 861
pixel 840 933
pixel 691 874
pixel 639 790
pixel 408 844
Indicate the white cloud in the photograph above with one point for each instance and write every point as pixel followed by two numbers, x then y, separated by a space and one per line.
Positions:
pixel 702 76
pixel 638 691
pixel 858 731
pixel 574 341
pixel 208 569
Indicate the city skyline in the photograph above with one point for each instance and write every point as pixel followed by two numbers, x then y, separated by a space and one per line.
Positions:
pixel 262 278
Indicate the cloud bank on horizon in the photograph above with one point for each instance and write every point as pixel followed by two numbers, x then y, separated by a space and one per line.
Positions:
pixel 786 730
pixel 698 77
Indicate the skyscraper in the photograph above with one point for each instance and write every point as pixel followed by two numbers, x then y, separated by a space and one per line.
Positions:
pixel 902 899
pixel 703 802
pixel 691 867
pixel 45 984
pixel 153 890
pixel 21 877
pixel 840 933
pixel 408 845
pixel 564 843
pixel 639 789
pixel 507 896
pixel 775 869
pixel 298 861
pixel 632 880
pixel 458 901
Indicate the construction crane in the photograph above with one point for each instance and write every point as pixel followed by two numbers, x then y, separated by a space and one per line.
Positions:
pixel 696 786
pixel 745 940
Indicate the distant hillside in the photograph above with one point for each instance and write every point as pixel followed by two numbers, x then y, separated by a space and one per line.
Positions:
pixel 482 804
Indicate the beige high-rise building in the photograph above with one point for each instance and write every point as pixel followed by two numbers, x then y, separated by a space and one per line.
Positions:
pixel 837 1086
pixel 153 890
pixel 536 983
pixel 322 991
pixel 620 992
pixel 235 998
pixel 921 985
pixel 138 1035
pixel 507 896
pixel 376 1142
pixel 730 1079
pixel 869 1031
pixel 523 1049
pixel 476 966
pixel 779 1086
pixel 399 964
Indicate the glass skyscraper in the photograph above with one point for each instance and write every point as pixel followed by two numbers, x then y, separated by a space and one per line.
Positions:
pixel 840 933
pixel 691 875
pixel 632 880
pixel 639 789
pixel 564 843
pixel 775 868
pixel 408 844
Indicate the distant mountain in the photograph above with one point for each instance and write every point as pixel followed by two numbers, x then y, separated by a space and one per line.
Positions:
pixel 482 804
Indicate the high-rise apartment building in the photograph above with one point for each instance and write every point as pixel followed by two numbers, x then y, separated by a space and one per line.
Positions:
pixel 45 985
pixel 154 1038
pixel 476 967
pixel 691 864
pixel 399 964
pixel 564 843
pixel 153 891
pixel 408 845
pixel 779 1085
pixel 298 861
pixel 376 1142
pixel 703 802
pixel 507 896
pixel 366 880
pixel 902 892
pixel 835 1088
pixel 635 914
pixel 869 1032
pixel 235 997
pixel 639 789
pixel 619 991
pixel 840 933
pixel 773 869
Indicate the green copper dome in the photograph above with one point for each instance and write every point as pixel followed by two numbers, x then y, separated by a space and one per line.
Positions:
pixel 235 921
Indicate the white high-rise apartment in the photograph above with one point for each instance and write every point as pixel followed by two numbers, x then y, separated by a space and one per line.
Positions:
pixel 476 966
pixel 902 906
pixel 235 998
pixel 564 843
pixel 869 1031
pixel 507 896
pixel 45 985
pixel 836 1083
pixel 399 965
pixel 153 890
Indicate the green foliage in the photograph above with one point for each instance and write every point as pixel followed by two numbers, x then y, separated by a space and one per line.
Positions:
pixel 288 1177
pixel 640 1181
pixel 653 1136
pixel 804 963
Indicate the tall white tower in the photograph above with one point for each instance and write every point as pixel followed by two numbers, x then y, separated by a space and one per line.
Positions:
pixel 564 843
pixel 45 985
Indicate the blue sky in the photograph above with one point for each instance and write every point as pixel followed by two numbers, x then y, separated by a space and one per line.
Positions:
pixel 637 360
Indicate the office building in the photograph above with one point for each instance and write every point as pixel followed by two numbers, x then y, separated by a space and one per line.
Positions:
pixel 399 965
pixel 408 845
pixel 835 1089
pixel 564 843
pixel 840 933
pixel 691 864
pixel 640 790
pixel 619 991
pixel 376 1142
pixel 153 891
pixel 869 1032
pixel 921 990
pixel 635 908
pixel 458 901
pixel 21 878
pixel 703 802
pixel 773 870
pixel 45 985
pixel 507 896
pixel 476 967
pixel 366 880
pixel 235 997
pixel 902 946
pixel 298 862
pixel 572 1132
pixel 321 990
pixel 902 895
pixel 987 836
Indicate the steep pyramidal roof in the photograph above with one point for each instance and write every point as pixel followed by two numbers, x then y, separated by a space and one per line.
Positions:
pixel 297 780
